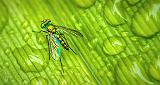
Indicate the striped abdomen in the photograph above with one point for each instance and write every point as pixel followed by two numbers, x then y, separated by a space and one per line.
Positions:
pixel 63 41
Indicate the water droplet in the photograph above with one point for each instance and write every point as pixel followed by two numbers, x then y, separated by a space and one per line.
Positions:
pixel 84 3
pixel 6 64
pixel 36 40
pixel 31 59
pixel 63 82
pixel 109 74
pixel 7 50
pixel 99 7
pixel 154 69
pixel 39 81
pixel 146 22
pixel 125 34
pixel 145 48
pixel 114 13
pixel 131 72
pixel 55 81
pixel 113 46
pixel 134 38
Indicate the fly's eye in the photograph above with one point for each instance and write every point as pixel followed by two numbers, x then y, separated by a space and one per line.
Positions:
pixel 48 22
pixel 42 25
pixel 45 23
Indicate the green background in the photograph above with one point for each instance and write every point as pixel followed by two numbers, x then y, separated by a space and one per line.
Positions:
pixel 121 42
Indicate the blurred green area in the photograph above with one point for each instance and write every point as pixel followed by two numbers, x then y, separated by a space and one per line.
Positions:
pixel 120 44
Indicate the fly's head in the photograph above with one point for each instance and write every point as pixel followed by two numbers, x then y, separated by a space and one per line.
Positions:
pixel 45 23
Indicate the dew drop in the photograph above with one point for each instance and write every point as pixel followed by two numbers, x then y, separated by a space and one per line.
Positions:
pixel 145 48
pixel 99 8
pixel 114 13
pixel 146 21
pixel 84 3
pixel 125 34
pixel 7 50
pixel 114 45
pixel 31 59
pixel 55 81
pixel 6 64
pixel 154 69
pixel 39 81
pixel 134 38
pixel 131 73
pixel 36 40
pixel 132 2
pixel 63 82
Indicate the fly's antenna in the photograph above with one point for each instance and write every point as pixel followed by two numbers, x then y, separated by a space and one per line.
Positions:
pixel 37 31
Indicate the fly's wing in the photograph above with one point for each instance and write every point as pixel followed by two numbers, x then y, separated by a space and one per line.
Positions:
pixel 68 31
pixel 54 47
pixel 57 48
pixel 49 45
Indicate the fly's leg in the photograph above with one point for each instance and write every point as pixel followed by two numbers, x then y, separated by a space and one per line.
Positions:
pixel 73 50
pixel 67 44
pixel 61 65
pixel 40 31
pixel 49 45
pixel 55 46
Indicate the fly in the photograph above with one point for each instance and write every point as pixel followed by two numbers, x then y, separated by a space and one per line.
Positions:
pixel 56 38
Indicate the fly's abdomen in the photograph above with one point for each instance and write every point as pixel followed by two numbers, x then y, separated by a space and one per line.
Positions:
pixel 63 41
pixel 65 45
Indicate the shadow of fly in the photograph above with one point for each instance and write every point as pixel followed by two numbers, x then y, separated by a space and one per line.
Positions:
pixel 55 37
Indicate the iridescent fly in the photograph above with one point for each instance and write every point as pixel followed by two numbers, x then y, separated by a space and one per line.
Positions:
pixel 56 38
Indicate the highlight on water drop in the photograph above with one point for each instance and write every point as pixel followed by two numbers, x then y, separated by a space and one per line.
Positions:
pixel 39 81
pixel 114 45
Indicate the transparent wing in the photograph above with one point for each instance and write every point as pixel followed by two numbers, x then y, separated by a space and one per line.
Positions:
pixel 54 47
pixel 50 47
pixel 54 51
pixel 68 30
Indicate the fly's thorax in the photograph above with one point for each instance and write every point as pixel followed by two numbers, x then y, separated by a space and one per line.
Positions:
pixel 51 29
